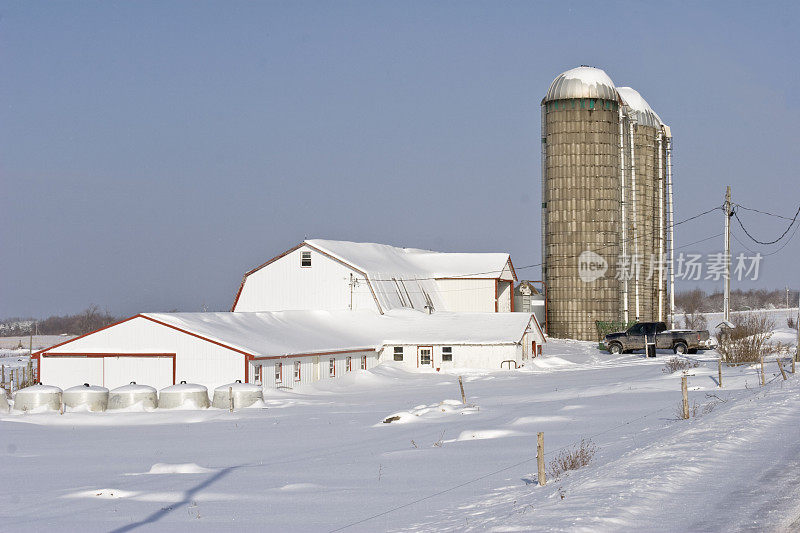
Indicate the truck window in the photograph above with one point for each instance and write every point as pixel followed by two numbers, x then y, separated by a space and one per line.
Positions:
pixel 636 329
pixel 660 326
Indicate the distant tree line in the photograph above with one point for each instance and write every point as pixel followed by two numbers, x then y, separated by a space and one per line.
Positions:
pixel 699 301
pixel 88 320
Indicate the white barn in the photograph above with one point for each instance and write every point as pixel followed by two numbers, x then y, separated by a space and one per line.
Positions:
pixel 285 349
pixel 331 275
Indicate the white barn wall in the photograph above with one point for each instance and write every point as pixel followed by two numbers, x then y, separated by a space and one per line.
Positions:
pixel 284 285
pixel 467 295
pixel 197 360
pixel 487 356
pixel 312 368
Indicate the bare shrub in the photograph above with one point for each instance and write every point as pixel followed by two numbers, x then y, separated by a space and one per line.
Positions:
pixel 694 408
pixel 694 321
pixel 572 458
pixel 677 363
pixel 746 342
pixel 791 323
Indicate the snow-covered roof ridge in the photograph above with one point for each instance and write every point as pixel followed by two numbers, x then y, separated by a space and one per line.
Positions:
pixel 413 263
pixel 642 112
pixel 283 333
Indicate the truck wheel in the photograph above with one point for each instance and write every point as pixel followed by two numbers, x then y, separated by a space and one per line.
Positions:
pixel 615 348
pixel 680 348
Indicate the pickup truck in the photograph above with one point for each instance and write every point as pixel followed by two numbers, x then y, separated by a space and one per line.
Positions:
pixel 679 341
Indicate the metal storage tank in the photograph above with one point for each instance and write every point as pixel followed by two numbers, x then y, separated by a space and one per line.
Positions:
pixel 133 395
pixel 4 408
pixel 38 398
pixel 186 395
pixel 581 209
pixel 86 397
pixel 645 170
pixel 244 395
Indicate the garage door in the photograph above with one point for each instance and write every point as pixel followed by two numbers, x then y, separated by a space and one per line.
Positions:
pixel 156 371
pixel 67 372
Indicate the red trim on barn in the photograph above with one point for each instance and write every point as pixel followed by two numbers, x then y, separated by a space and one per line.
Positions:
pixel 104 355
pixel 318 250
pixel 513 272
pixel 312 354
pixel 36 354
pixel 196 335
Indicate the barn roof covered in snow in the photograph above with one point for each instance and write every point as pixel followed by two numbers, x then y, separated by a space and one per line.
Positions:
pixel 375 259
pixel 303 332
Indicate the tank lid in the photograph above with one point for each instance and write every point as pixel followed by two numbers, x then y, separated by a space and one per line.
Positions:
pixel 133 387
pixel 184 387
pixel 640 110
pixel 39 388
pixel 582 82
pixel 239 387
pixel 87 388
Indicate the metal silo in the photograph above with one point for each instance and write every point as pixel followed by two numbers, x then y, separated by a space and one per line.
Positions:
pixel 581 202
pixel 645 146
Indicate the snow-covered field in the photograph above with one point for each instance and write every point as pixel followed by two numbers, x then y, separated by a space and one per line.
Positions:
pixel 322 459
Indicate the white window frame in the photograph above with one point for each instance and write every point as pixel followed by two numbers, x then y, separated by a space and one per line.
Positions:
pixel 448 352
pixel 398 350
pixel 332 367
pixel 305 257
pixel 297 371
pixel 349 364
pixel 279 372
pixel 363 362
pixel 419 356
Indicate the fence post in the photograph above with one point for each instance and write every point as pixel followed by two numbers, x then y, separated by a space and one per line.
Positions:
pixel 719 371
pixel 685 392
pixel 781 367
pixel 463 396
pixel 540 458
pixel 763 380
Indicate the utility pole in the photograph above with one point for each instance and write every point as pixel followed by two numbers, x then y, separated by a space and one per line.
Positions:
pixel 726 299
pixel 797 323
pixel 787 297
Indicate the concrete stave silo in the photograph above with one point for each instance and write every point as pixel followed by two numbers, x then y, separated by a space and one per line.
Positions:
pixel 645 130
pixel 581 202
pixel 604 159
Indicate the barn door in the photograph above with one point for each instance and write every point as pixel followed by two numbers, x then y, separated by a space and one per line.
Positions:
pixel 424 356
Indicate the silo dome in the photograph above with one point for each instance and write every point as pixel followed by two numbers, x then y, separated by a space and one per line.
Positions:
pixel 582 82
pixel 641 112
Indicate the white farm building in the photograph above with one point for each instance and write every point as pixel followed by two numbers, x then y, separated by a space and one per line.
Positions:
pixel 293 323
pixel 323 274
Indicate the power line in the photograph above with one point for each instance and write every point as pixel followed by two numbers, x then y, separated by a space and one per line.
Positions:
pixel 762 212
pixel 563 258
pixel 736 215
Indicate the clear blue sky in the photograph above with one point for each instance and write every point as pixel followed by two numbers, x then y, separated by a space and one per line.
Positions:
pixel 152 152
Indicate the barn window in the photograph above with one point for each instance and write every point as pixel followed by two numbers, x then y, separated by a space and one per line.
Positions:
pixel 447 353
pixel 363 362
pixel 305 259
pixel 297 370
pixel 278 372
pixel 349 366
pixel 332 367
pixel 398 353
pixel 257 374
